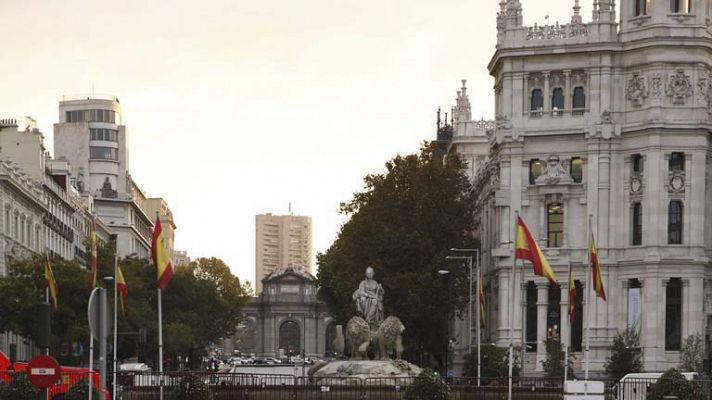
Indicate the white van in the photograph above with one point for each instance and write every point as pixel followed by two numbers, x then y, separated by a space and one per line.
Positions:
pixel 635 386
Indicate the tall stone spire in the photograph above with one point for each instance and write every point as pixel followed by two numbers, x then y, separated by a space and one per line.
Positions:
pixel 514 14
pixel 576 18
pixel 463 110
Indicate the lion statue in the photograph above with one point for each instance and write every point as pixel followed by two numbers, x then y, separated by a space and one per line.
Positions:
pixel 358 335
pixel 389 339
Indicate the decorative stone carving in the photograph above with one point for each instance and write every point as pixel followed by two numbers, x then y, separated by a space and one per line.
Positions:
pixel 637 90
pixel 578 78
pixel 606 127
pixel 679 87
pixel 677 182
pixel 369 300
pixel 656 85
pixel 555 173
pixel 502 123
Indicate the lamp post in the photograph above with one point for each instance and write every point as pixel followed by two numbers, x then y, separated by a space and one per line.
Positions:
pixel 469 306
pixel 446 274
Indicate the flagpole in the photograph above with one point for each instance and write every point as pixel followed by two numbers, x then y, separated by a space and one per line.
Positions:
pixel 478 315
pixel 160 342
pixel 588 297
pixel 512 306
pixel 116 295
pixel 568 321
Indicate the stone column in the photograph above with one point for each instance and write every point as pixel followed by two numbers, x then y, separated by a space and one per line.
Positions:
pixel 547 92
pixel 564 320
pixel 542 292
pixel 569 96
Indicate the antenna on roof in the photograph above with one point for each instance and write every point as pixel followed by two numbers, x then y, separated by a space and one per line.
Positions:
pixel 290 208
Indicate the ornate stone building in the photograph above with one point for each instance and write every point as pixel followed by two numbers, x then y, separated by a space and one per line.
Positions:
pixel 610 120
pixel 286 318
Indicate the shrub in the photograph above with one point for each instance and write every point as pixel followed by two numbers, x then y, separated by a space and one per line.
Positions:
pixel 554 363
pixel 673 383
pixel 80 391
pixel 19 388
pixel 494 362
pixel 192 388
pixel 428 386
pixel 625 355
pixel 692 354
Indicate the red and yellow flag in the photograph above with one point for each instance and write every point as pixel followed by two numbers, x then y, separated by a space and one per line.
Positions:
pixel 572 294
pixel 92 273
pixel 123 290
pixel 596 271
pixel 50 283
pixel 528 249
pixel 482 303
pixel 161 258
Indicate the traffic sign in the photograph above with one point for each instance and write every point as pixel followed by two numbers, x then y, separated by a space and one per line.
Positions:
pixel 43 371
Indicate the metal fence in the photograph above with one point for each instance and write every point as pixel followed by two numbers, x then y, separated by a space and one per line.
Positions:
pixel 228 386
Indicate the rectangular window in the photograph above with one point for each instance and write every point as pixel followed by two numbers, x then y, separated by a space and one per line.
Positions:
pixel 673 315
pixel 637 224
pixel 107 135
pixel 531 316
pixel 677 161
pixel 635 304
pixel 579 98
pixel 641 7
pixel 7 221
pixel 577 169
pixel 103 153
pixel 679 6
pixel 536 169
pixel 553 312
pixel 555 225
pixel 637 163
pixel 577 323
pixel 675 222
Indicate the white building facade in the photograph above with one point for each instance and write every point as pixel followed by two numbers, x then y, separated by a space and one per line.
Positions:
pixel 91 136
pixel 608 120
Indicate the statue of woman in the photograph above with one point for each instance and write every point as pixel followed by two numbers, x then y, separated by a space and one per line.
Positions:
pixel 369 300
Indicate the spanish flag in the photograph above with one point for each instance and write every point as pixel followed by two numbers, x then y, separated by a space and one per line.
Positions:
pixel 528 249
pixel 123 290
pixel 572 294
pixel 50 283
pixel 596 271
pixel 482 303
pixel 161 258
pixel 92 274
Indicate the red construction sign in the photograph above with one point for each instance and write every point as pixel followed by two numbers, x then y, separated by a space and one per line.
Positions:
pixel 43 371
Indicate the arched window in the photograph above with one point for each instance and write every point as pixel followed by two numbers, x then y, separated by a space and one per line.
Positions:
pixel 637 222
pixel 557 101
pixel 555 225
pixel 289 338
pixel 537 102
pixel 675 222
pixel 579 98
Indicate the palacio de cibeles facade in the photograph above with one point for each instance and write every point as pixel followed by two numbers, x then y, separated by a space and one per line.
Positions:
pixel 605 121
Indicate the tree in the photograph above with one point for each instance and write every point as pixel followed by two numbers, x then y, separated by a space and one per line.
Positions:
pixel 625 355
pixel 428 386
pixel 555 359
pixel 403 225
pixel 692 354
pixel 672 384
pixel 201 305
pixel 494 362
pixel 19 388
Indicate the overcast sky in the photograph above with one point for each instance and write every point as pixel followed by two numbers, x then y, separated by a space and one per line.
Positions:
pixel 239 107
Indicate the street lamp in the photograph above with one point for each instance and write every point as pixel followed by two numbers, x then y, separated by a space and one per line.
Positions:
pixel 469 306
pixel 446 274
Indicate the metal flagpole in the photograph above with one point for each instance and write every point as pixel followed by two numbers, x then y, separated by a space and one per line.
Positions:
pixel 588 297
pixel 116 295
pixel 568 339
pixel 469 310
pixel 48 327
pixel 90 378
pixel 160 342
pixel 511 311
pixel 478 316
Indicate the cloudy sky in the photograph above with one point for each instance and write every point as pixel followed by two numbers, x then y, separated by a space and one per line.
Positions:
pixel 240 107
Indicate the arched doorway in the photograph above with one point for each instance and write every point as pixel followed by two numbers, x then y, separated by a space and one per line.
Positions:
pixel 330 338
pixel 290 338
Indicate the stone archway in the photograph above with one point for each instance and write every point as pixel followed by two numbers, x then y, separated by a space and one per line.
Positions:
pixel 290 338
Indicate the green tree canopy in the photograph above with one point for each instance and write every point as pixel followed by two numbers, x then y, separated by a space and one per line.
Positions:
pixel 201 305
pixel 625 355
pixel 403 225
